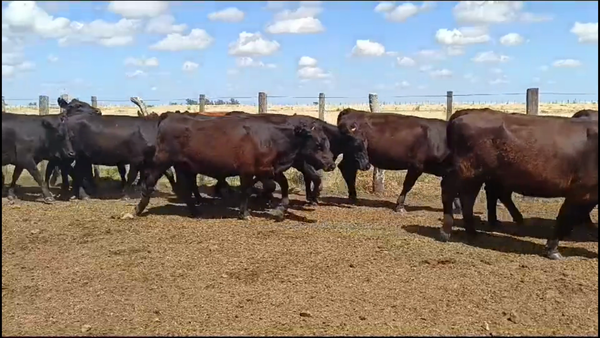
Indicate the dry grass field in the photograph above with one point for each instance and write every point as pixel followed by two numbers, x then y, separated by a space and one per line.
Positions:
pixel 78 268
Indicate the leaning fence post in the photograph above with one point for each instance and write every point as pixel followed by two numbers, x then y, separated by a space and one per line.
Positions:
pixel 262 103
pixel 322 106
pixel 378 174
pixel 201 103
pixel 94 102
pixel 449 99
pixel 532 101
pixel 44 105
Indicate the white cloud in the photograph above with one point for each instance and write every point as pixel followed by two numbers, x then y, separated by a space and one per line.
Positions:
pixel 431 54
pixel 229 14
pixel 368 48
pixel 164 24
pixel 136 73
pixel 496 70
pixel 462 36
pixel 425 68
pixel 153 89
pixel 248 62
pixel 120 33
pixel 275 4
pixel 586 32
pixel 490 57
pixel 301 21
pixel 512 39
pixel 189 66
pixel 403 84
pixel 454 50
pixel 10 70
pixel 471 78
pixel 384 7
pixel 566 63
pixel 402 12
pixel 307 69
pixel 24 16
pixel 499 80
pixel 52 58
pixel 307 61
pixel 197 39
pixel 544 68
pixel 405 61
pixel 441 73
pixel 138 9
pixel 252 44
pixel 494 12
pixel 141 62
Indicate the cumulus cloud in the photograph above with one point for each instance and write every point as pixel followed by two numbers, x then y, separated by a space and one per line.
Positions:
pixel 462 36
pixel 402 12
pixel 499 80
pixel 512 39
pixel 440 73
pixel 141 62
pixel 10 70
pixel 566 63
pixel 197 39
pixel 164 24
pixel 454 50
pixel 135 74
pixel 431 54
pixel 138 9
pixel 490 57
pixel 248 62
pixel 229 14
pixel 308 70
pixel 368 48
pixel 252 44
pixel 494 12
pixel 586 32
pixel 405 61
pixel 189 66
pixel 52 58
pixel 301 21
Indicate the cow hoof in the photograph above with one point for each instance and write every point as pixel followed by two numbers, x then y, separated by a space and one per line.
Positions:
pixel 311 203
pixel 125 198
pixel 400 209
pixel 519 221
pixel 353 200
pixel 49 200
pixel 554 255
pixel 444 237
pixel 279 214
pixel 11 197
pixel 244 217
pixel 457 211
pixel 494 225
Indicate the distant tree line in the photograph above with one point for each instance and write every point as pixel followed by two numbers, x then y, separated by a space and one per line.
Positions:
pixel 208 102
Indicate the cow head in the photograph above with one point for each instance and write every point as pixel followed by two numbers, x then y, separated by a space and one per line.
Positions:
pixel 315 149
pixel 356 142
pixel 59 137
pixel 76 107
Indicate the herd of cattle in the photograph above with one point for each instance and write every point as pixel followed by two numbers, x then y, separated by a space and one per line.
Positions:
pixel 538 156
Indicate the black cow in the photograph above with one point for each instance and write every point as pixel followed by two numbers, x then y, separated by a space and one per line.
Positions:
pixel 29 139
pixel 586 114
pixel 396 142
pixel 538 156
pixel 228 146
pixel 110 140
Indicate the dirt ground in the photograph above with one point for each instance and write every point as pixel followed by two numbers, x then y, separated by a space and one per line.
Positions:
pixel 76 268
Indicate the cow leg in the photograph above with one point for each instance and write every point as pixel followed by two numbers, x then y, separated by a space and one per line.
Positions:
pixel 468 194
pixel 449 187
pixel 81 170
pixel 193 180
pixel 349 171
pixel 170 177
pixel 506 199
pixel 15 177
pixel 37 176
pixel 491 198
pixel 279 212
pixel 65 168
pixel 50 170
pixel 152 176
pixel 409 182
pixel 567 217
pixel 312 176
pixel 185 189
pixel 127 186
pixel 268 190
pixel 123 172
pixel 246 184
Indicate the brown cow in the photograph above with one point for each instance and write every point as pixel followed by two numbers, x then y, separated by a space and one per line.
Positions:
pixel 235 146
pixel 538 156
pixel 396 142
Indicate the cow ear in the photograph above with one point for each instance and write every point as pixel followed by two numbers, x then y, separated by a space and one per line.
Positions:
pixel 62 103
pixel 301 131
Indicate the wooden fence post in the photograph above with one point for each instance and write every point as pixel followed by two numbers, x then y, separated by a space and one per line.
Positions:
pixel 532 101
pixel 378 174
pixel 262 103
pixel 44 105
pixel 449 99
pixel 94 102
pixel 201 103
pixel 3 104
pixel 322 106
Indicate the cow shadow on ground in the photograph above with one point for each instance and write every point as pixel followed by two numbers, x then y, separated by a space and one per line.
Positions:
pixel 344 202
pixel 496 241
pixel 541 228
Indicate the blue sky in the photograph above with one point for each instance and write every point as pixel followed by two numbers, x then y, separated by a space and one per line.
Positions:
pixel 176 50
